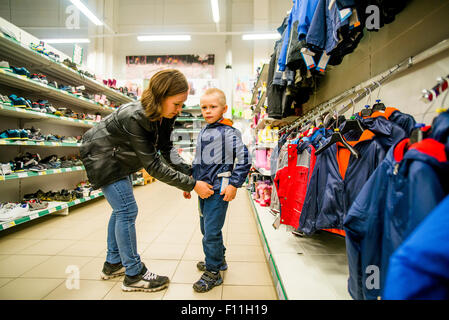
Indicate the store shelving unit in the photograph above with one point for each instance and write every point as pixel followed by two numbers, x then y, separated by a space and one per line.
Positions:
pixel 55 208
pixel 262 217
pixel 263 77
pixel 30 174
pixel 10 111
pixel 20 54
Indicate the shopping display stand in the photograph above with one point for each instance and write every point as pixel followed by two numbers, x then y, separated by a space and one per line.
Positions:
pixel 18 53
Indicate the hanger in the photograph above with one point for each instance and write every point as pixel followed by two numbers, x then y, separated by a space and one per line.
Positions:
pixel 378 106
pixel 367 112
pixel 352 123
pixel 337 137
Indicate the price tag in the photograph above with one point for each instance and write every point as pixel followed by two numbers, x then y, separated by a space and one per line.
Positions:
pixel 57 171
pixel 354 20
pixel 34 216
pixel 323 62
pixel 77 201
pixel 8 225
pixel 307 55
pixel 23 175
pixel 51 210
pixel 345 14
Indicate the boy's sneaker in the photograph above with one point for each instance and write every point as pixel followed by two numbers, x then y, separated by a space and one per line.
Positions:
pixel 207 281
pixel 145 281
pixel 202 266
pixel 112 270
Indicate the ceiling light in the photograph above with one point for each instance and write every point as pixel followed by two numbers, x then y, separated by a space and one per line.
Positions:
pixel 165 38
pixel 261 36
pixel 50 41
pixel 215 11
pixel 87 12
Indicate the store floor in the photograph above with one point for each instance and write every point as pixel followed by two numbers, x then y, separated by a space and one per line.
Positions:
pixel 44 259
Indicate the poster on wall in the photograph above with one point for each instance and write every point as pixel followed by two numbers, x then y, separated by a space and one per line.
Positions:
pixel 199 70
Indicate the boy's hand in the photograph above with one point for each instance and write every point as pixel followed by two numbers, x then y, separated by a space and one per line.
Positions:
pixel 187 195
pixel 229 193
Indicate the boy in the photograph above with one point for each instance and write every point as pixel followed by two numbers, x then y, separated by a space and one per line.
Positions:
pixel 218 146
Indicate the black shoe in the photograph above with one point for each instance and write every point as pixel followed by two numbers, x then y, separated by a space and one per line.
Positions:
pixel 145 281
pixel 112 270
pixel 202 266
pixel 207 281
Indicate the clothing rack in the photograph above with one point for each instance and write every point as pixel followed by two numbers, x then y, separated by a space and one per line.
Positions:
pixel 439 88
pixel 368 86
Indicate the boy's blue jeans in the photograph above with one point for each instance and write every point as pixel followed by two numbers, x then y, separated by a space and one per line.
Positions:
pixel 212 218
pixel 122 244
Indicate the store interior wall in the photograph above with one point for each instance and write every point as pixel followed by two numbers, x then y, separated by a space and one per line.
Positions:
pixel 421 25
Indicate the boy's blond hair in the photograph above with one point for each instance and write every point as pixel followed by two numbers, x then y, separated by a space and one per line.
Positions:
pixel 221 95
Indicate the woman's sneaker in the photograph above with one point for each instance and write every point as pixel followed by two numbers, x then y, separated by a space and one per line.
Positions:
pixel 202 266
pixel 145 281
pixel 112 270
pixel 207 281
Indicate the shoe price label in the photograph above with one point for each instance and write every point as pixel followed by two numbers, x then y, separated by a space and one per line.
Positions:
pixel 51 210
pixel 8 225
pixel 22 175
pixel 77 201
pixel 57 171
pixel 34 216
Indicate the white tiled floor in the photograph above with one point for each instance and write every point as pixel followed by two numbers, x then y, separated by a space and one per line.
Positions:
pixel 35 259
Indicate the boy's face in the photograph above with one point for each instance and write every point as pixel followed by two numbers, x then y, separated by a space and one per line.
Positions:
pixel 211 108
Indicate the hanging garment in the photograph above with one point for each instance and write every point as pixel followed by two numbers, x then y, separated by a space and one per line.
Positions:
pixel 282 163
pixel 405 121
pixel 395 199
pixel 336 180
pixel 292 183
pixel 298 25
pixel 418 269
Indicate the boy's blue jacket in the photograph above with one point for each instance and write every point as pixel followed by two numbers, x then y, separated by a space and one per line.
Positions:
pixel 218 146
pixel 402 191
pixel 419 268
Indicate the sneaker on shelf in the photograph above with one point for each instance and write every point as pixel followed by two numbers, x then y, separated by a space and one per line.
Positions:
pixel 21 71
pixel 69 140
pixel 5 168
pixel 18 102
pixel 207 281
pixel 12 211
pixel 112 270
pixel 43 79
pixel 10 134
pixel 36 204
pixel 145 281
pixel 32 196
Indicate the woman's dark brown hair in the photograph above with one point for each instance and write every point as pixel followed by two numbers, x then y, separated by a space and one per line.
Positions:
pixel 165 83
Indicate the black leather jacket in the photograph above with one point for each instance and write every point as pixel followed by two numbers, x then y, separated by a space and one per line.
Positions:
pixel 125 142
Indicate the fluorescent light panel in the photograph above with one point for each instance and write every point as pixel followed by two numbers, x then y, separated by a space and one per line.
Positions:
pixel 50 41
pixel 165 38
pixel 87 12
pixel 215 11
pixel 261 36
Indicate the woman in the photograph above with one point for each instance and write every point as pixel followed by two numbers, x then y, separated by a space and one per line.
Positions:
pixel 134 136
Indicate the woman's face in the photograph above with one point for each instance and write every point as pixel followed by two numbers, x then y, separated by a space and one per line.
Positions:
pixel 172 105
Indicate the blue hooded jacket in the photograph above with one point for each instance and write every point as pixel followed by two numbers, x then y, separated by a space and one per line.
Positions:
pixel 419 267
pixel 302 13
pixel 329 196
pixel 218 146
pixel 396 198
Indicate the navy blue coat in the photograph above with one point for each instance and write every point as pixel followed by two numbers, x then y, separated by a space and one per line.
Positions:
pixel 395 199
pixel 217 148
pixel 419 267
pixel 328 196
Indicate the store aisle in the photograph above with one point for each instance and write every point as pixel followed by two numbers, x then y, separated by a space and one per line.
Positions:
pixel 41 260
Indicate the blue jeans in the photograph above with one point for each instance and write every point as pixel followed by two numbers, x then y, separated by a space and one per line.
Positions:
pixel 212 218
pixel 122 244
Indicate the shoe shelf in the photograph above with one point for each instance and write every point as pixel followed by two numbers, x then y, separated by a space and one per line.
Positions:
pixel 42 63
pixel 30 174
pixel 15 112
pixel 263 77
pixel 22 82
pixel 191 108
pixel 263 171
pixel 187 130
pixel 190 119
pixel 55 207
pixel 4 142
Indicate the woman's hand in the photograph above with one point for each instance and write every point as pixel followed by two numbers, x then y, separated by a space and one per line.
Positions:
pixel 203 189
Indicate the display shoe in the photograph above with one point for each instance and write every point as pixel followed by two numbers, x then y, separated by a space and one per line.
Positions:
pixel 201 266
pixel 207 281
pixel 36 204
pixel 145 281
pixel 112 270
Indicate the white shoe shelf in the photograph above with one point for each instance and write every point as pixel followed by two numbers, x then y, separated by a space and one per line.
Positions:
pixel 54 207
